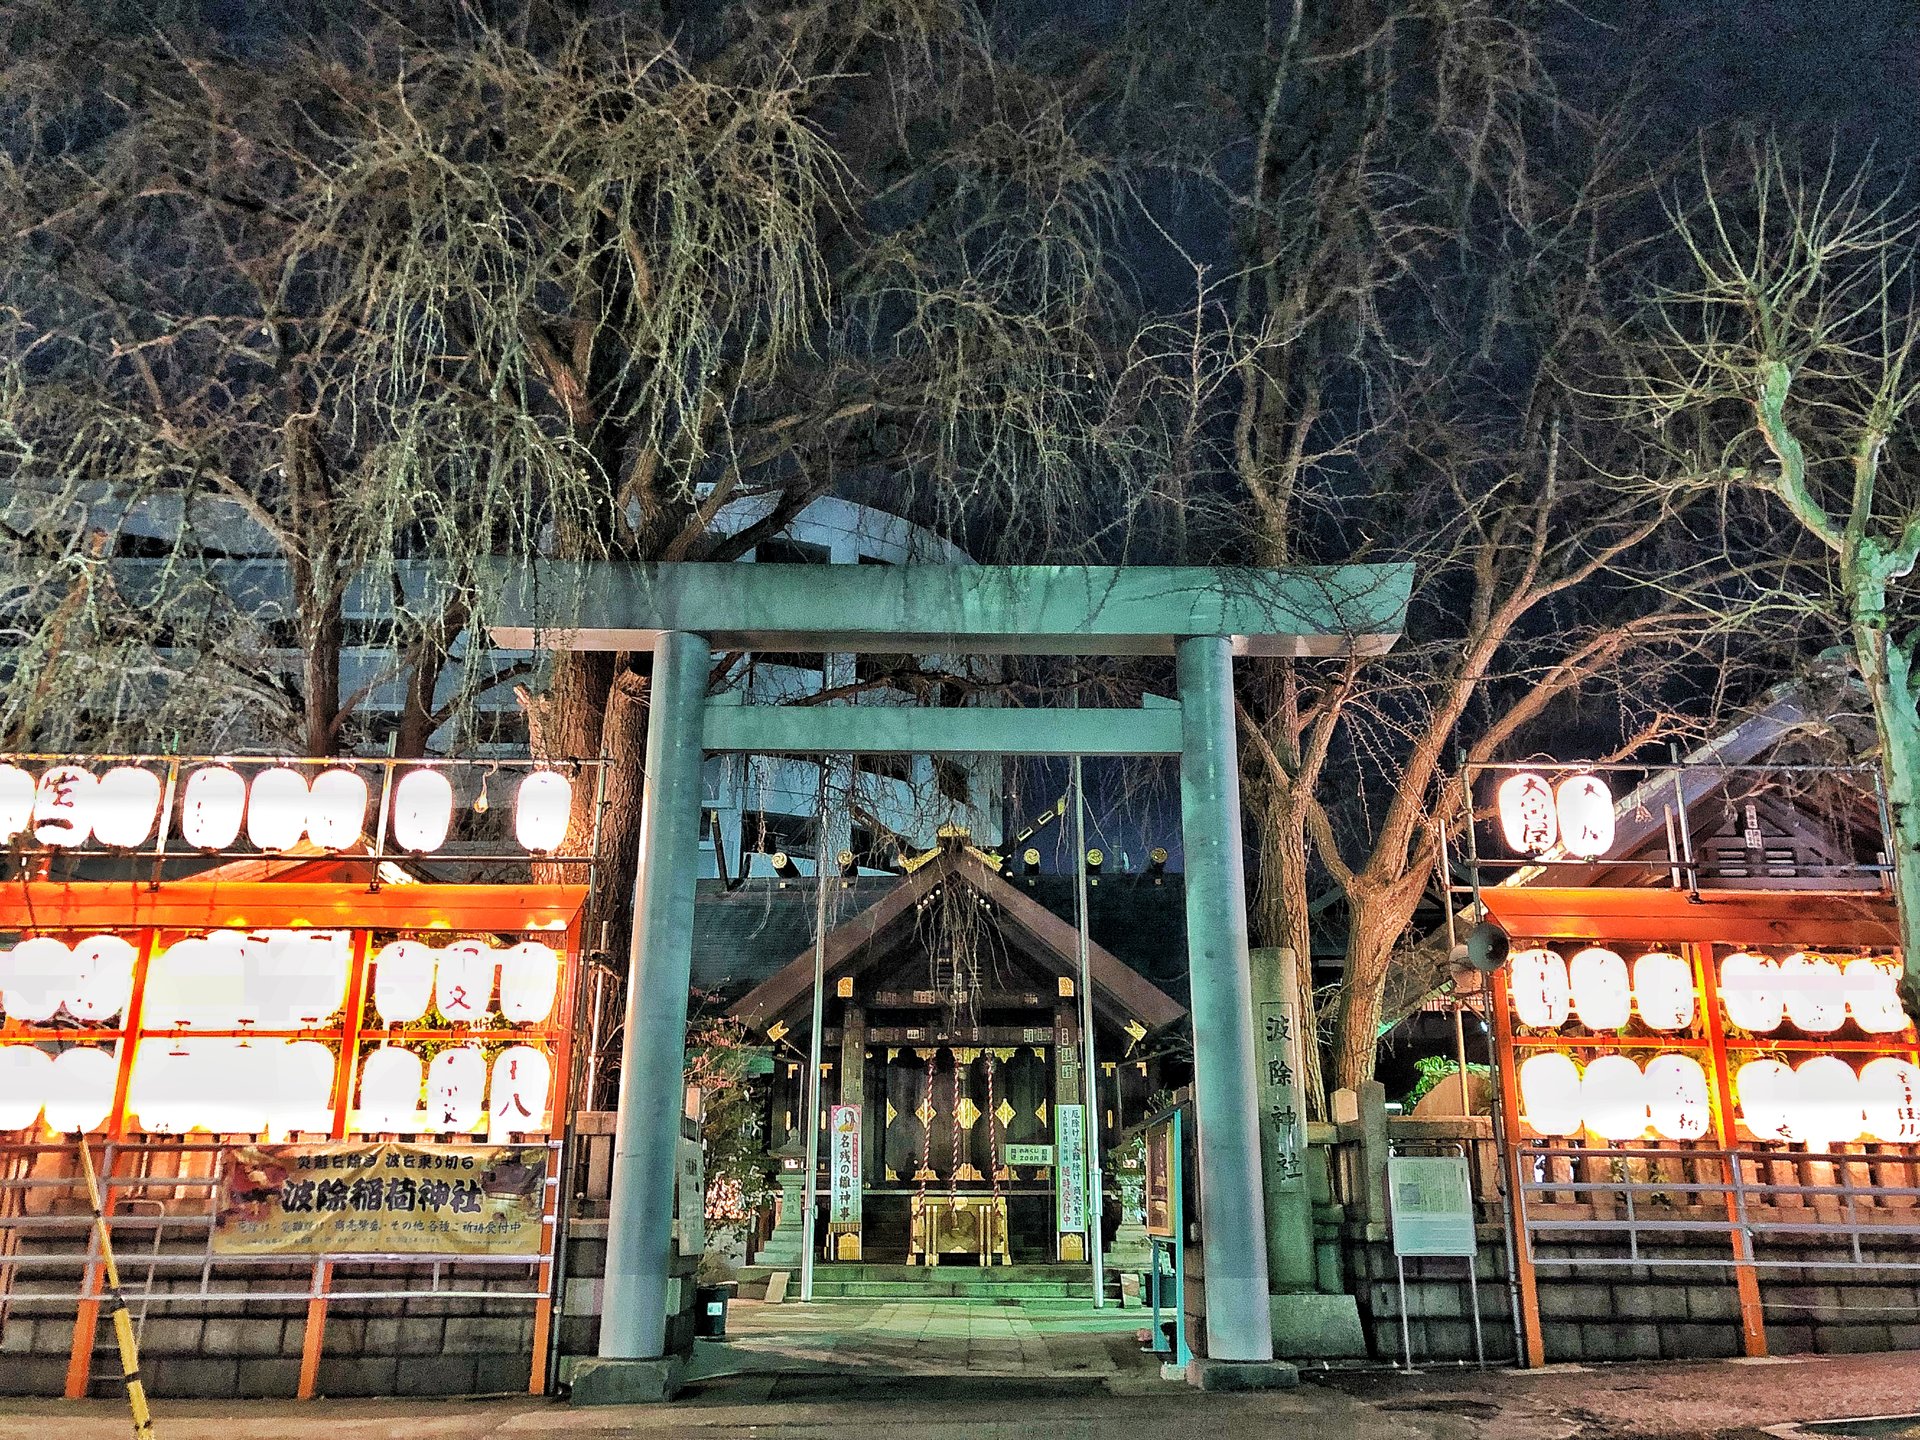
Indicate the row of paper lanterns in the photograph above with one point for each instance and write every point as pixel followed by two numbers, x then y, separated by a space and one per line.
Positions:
pixel 1596 986
pixel 1576 815
pixel 273 980
pixel 1821 1101
pixel 68 805
pixel 240 1087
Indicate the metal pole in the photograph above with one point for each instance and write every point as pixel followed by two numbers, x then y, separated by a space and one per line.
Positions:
pixel 808 1221
pixel 1239 1325
pixel 1089 1091
pixel 653 1052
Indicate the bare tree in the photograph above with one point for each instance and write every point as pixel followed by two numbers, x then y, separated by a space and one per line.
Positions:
pixel 1781 363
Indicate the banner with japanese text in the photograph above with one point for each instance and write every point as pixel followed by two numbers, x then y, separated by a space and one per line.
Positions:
pixel 1070 1178
pixel 381 1198
pixel 843 1165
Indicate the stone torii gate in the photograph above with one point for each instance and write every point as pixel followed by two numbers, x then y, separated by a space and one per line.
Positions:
pixel 683 612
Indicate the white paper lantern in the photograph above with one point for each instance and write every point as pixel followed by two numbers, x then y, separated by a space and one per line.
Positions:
pixel 390 1080
pixel 80 1089
pixel 456 1088
pixel 102 977
pixel 1889 1100
pixel 1873 996
pixel 1613 1098
pixel 1601 995
pixel 422 811
pixel 529 975
pixel 295 979
pixel 517 1094
pixel 1769 1099
pixel 1541 994
pixel 403 981
pixel 160 1092
pixel 337 809
pixel 277 804
pixel 63 806
pixel 1550 1093
pixel 24 1078
pixel 198 983
pixel 1527 818
pixel 541 811
pixel 35 978
pixel 1831 1111
pixel 1663 990
pixel 1677 1101
pixel 16 802
pixel 1815 992
pixel 302 1088
pixel 1751 993
pixel 1585 807
pixel 463 981
pixel 125 805
pixel 213 800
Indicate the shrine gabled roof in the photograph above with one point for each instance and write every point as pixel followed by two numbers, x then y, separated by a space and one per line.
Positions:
pixel 886 927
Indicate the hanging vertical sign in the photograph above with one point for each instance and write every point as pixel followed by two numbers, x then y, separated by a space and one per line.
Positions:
pixel 1283 1119
pixel 1070 1176
pixel 843 1164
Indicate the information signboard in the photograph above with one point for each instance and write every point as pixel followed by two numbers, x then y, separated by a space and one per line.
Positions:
pixel 1070 1180
pixel 1430 1201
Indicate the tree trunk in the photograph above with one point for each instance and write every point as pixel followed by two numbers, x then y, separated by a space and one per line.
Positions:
pixel 1886 666
pixel 1356 1034
pixel 1280 916
pixel 323 634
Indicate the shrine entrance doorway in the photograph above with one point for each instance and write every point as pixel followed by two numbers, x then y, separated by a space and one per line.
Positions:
pixel 1200 617
pixel 952 1030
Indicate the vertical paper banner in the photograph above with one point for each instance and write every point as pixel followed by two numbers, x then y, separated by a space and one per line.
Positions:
pixel 1283 1118
pixel 1070 1175
pixel 843 1165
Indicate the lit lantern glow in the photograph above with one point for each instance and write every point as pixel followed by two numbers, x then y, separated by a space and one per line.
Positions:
pixel 1550 1093
pixel 541 811
pixel 337 810
pixel 1526 809
pixel 24 1078
pixel 162 1092
pixel 402 982
pixel 529 974
pixel 102 977
pixel 1541 995
pixel 1613 1098
pixel 517 1096
pixel 1769 1098
pixel 422 811
pixel 125 805
pixel 212 802
pixel 1663 990
pixel 35 977
pixel 277 804
pixel 390 1091
pixel 295 979
pixel 456 1088
pixel 80 1089
pixel 198 982
pixel 1601 995
pixel 1872 997
pixel 1815 992
pixel 63 806
pixel 1585 806
pixel 1831 1112
pixel 1889 1100
pixel 463 982
pixel 1750 989
pixel 1677 1097
pixel 301 1088
pixel 16 802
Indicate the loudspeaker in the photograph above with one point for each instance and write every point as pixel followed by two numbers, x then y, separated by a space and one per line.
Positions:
pixel 1487 947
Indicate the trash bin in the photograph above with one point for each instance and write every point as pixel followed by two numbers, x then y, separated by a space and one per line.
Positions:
pixel 710 1311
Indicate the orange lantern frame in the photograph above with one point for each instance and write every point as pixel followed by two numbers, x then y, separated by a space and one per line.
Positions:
pixel 154 916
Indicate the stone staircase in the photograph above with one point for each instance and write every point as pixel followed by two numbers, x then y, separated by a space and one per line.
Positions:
pixel 956 1282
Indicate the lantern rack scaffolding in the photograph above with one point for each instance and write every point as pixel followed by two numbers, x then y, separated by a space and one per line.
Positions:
pixel 479 839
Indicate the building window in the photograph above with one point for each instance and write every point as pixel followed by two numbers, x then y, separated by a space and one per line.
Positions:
pixel 792 660
pixel 791 552
pixel 763 832
pixel 885 767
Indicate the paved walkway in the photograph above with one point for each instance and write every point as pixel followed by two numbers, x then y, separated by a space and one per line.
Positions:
pixel 954 1338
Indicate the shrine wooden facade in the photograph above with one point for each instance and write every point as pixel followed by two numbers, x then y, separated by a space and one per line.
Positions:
pixel 952 1021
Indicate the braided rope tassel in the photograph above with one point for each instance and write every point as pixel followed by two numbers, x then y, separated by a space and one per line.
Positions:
pixel 953 1161
pixel 993 1133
